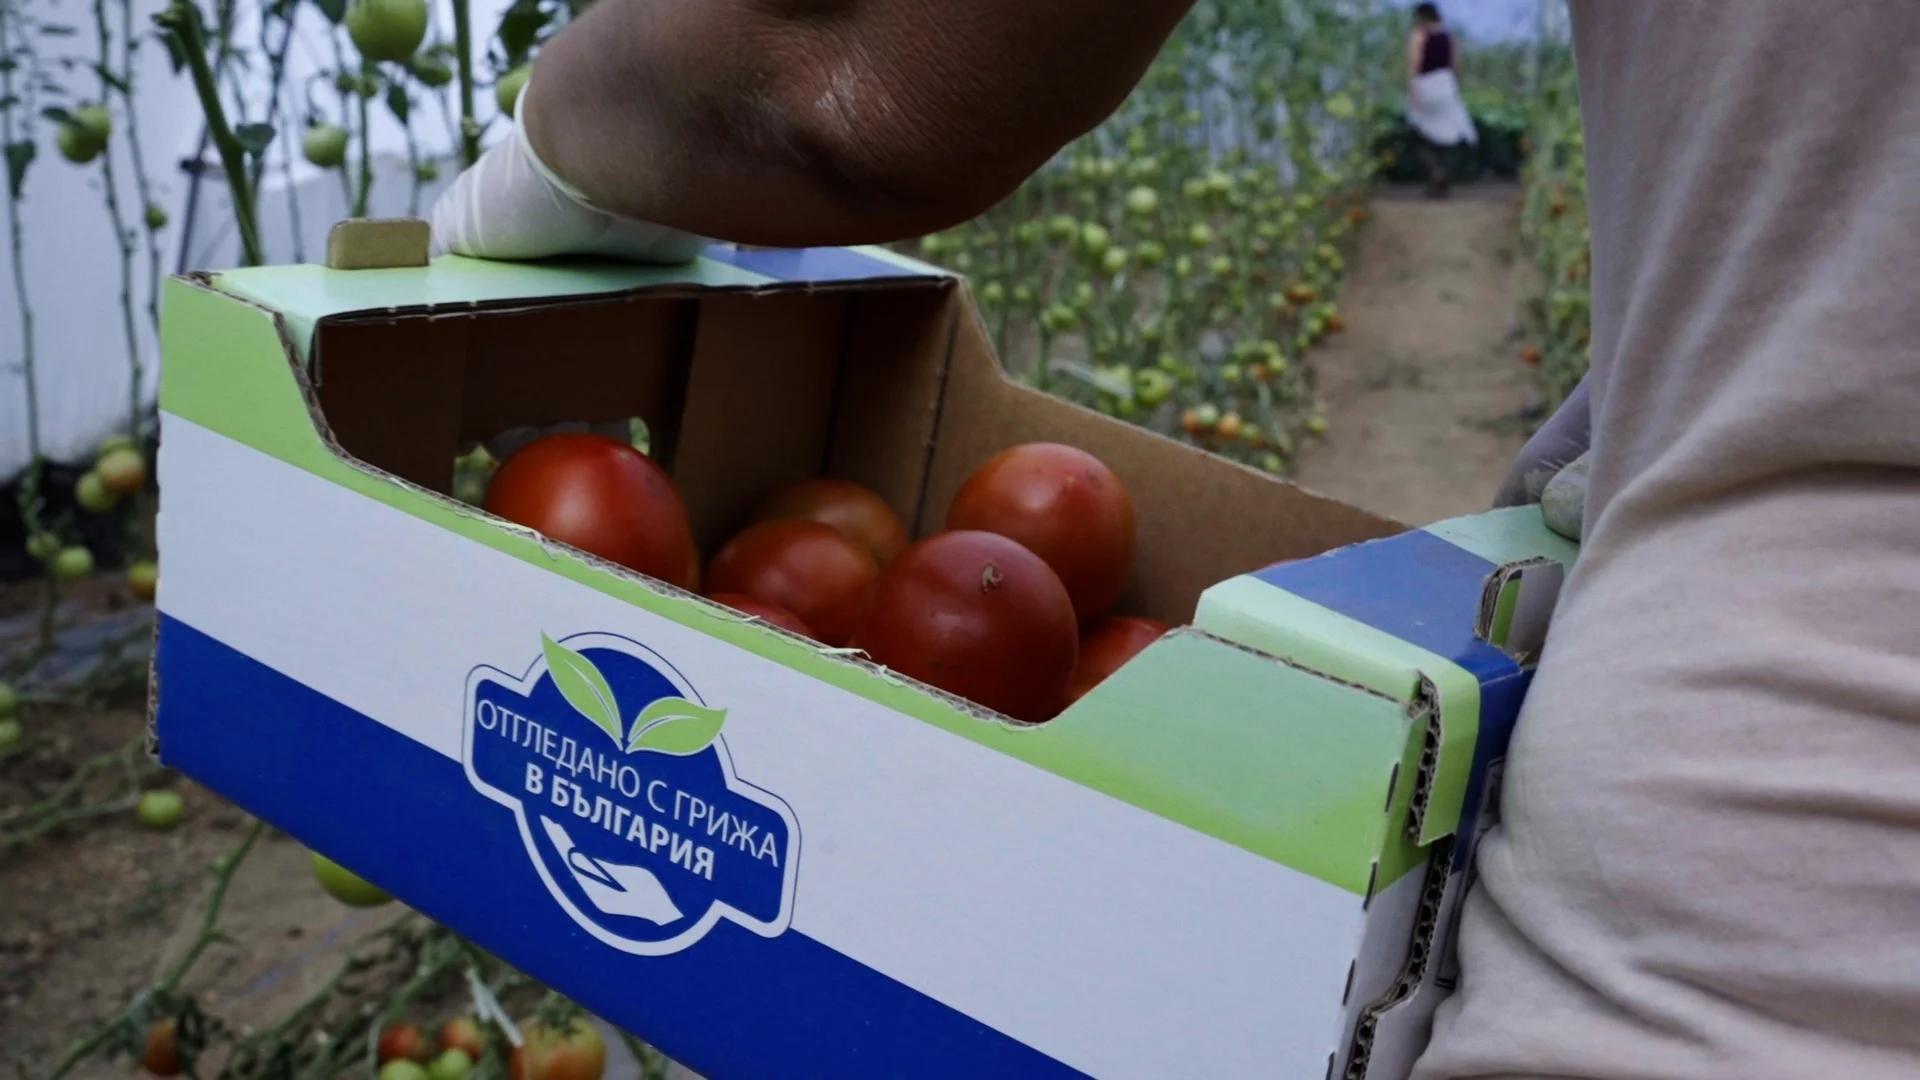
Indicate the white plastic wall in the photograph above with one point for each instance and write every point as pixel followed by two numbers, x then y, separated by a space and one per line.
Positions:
pixel 73 265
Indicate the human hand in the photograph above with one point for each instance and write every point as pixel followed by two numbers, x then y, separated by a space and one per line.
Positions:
pixel 509 205
pixel 1558 443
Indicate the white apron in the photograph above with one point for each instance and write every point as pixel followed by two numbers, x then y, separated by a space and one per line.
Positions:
pixel 1435 110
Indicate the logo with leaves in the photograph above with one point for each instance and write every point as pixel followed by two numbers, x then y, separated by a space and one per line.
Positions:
pixel 627 799
pixel 668 725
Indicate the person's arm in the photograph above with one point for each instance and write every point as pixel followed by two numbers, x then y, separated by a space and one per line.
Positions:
pixel 799 122
pixel 1416 44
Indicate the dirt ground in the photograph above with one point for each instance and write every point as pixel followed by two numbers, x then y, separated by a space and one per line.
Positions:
pixel 1424 391
pixel 1422 395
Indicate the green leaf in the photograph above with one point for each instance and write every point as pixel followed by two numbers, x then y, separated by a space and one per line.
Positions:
pixel 254 137
pixel 398 103
pixel 583 686
pixel 675 726
pixel 334 10
pixel 19 156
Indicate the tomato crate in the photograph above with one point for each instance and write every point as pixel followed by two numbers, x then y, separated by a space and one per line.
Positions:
pixel 771 859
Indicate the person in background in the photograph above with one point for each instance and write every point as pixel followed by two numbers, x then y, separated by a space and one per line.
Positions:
pixel 1434 109
pixel 1708 861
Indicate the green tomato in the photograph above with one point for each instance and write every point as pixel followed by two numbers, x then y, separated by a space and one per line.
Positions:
pixel 452 1064
pixel 1145 168
pixel 1142 201
pixel 143 578
pixel 1340 107
pixel 350 889
pixel 1062 227
pixel 77 144
pixel 1183 267
pixel 1106 169
pixel 1151 386
pixel 1094 240
pixel 1114 261
pixel 9 701
pixel 325 145
pixel 95 121
pixel 390 30
pixel 1207 415
pixel 403 1069
pixel 91 493
pixel 119 440
pixel 9 735
pixel 430 70
pixel 156 219
pixel 159 809
pixel 72 563
pixel 1221 265
pixel 1194 187
pixel 1150 253
pixel 1083 294
pixel 506 92
pixel 43 546
pixel 1230 374
pixel 123 471
pixel 993 293
pixel 1317 424
pixel 1200 234
pixel 1059 318
pixel 1024 295
pixel 1219 183
pixel 1272 462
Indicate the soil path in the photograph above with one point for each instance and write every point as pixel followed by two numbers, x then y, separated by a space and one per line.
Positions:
pixel 1423 390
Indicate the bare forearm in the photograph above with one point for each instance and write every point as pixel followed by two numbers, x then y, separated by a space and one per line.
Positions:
pixel 797 122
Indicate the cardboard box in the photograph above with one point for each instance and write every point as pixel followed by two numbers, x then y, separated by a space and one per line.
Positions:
pixel 768 858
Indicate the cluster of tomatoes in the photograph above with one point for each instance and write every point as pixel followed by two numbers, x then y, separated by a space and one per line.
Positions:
pixel 1009 607
pixel 570 1051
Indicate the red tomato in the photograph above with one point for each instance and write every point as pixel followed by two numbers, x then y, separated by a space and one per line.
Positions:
pixel 863 516
pixel 976 615
pixel 771 614
pixel 808 568
pixel 1109 644
pixel 161 1056
pixel 603 497
pixel 574 1054
pixel 1064 506
pixel 463 1033
pixel 403 1041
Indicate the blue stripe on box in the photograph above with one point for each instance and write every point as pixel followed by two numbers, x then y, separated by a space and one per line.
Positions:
pixel 735 1006
pixel 1426 592
pixel 821 264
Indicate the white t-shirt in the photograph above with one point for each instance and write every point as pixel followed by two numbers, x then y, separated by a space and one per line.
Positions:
pixel 1709 863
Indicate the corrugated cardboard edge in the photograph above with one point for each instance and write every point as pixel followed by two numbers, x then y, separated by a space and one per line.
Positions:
pixel 1419 954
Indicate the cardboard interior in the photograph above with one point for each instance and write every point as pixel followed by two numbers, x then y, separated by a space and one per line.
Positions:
pixel 894 386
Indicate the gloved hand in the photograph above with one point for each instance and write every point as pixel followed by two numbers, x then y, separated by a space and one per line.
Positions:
pixel 1561 440
pixel 510 205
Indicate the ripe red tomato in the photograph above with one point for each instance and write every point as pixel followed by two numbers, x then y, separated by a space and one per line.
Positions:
pixel 806 567
pixel 1065 506
pixel 403 1041
pixel 547 1054
pixel 161 1055
pixel 603 497
pixel 1109 644
pixel 977 615
pixel 772 614
pixel 862 515
pixel 463 1033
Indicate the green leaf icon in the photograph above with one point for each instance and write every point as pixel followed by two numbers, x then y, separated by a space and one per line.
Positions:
pixel 675 726
pixel 583 686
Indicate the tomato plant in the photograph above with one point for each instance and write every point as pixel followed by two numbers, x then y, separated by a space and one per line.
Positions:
pixel 977 615
pixel 602 496
pixel 771 614
pixel 1107 645
pixel 1065 506
pixel 856 511
pixel 548 1053
pixel 810 569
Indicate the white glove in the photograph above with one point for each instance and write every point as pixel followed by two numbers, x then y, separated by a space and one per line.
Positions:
pixel 511 206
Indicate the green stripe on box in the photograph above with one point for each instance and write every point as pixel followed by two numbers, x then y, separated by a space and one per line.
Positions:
pixel 1233 745
pixel 1507 536
pixel 305 293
